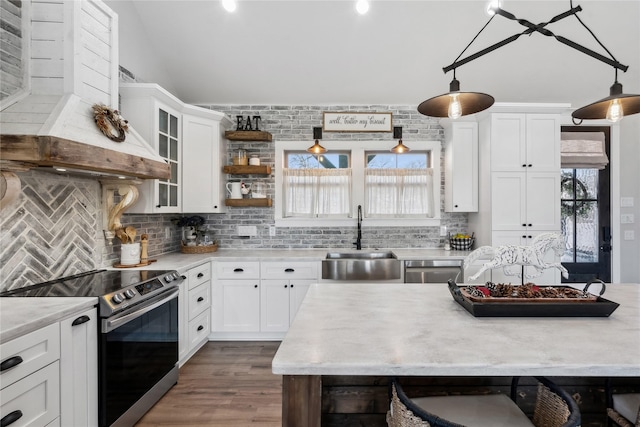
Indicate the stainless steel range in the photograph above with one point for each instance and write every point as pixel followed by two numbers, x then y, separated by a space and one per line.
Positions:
pixel 137 336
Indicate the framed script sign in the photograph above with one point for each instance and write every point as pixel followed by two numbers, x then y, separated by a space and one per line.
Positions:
pixel 356 122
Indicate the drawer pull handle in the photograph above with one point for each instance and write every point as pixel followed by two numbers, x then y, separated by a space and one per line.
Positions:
pixel 200 328
pixel 289 270
pixel 11 418
pixel 238 270
pixel 10 363
pixel 200 299
pixel 80 320
pixel 200 275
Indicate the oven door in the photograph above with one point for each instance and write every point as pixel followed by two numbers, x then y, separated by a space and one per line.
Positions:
pixel 138 359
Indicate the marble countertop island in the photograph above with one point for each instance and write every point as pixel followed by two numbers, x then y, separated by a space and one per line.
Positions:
pixel 419 330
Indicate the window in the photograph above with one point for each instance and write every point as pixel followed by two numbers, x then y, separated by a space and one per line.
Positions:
pixel 316 185
pixel 325 190
pixel 398 185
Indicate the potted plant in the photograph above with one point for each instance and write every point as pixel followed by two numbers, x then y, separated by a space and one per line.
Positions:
pixel 192 228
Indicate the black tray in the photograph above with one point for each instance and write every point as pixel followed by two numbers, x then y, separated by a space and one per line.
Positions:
pixel 600 308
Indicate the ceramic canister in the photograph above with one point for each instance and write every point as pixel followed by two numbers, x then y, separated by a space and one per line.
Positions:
pixel 130 253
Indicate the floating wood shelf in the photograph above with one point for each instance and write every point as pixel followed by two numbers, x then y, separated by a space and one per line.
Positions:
pixel 261 203
pixel 247 170
pixel 248 135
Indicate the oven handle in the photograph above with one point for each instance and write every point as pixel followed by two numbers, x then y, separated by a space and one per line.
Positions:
pixel 109 325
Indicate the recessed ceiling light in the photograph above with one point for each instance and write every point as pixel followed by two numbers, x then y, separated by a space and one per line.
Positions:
pixel 229 5
pixel 362 6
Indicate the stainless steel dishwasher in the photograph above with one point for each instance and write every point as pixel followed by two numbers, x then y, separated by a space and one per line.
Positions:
pixel 433 271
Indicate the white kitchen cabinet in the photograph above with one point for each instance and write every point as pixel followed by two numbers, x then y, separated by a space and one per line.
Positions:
pixel 460 166
pixel 30 377
pixel 194 311
pixel 203 156
pixel 528 142
pixel 156 115
pixel 239 309
pixel 519 179
pixel 79 370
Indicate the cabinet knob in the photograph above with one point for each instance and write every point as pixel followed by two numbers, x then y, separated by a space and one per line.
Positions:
pixel 524 236
pixel 11 418
pixel 184 277
pixel 455 206
pixel 158 206
pixel 292 285
pixel 200 328
pixel 524 166
pixel 530 225
pixel 529 165
pixel 10 363
pixel 524 225
pixel 215 207
pixel 200 299
pixel 529 237
pixel 200 275
pixel 255 286
pixel 80 320
pixel 285 286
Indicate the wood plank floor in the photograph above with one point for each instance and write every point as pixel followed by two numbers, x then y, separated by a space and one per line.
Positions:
pixel 223 384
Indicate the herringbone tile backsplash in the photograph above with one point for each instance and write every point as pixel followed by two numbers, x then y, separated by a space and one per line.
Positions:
pixel 52 230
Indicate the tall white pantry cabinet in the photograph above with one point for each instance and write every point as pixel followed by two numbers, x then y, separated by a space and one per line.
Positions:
pixel 519 183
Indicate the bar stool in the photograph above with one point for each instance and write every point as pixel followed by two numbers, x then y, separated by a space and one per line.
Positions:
pixel 553 408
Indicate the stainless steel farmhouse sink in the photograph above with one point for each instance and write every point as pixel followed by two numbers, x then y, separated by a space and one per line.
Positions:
pixel 361 266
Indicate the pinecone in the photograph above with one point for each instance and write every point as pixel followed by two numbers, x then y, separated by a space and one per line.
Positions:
pixel 549 292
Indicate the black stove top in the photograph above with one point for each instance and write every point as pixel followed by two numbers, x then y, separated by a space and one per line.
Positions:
pixel 94 283
pixel 116 290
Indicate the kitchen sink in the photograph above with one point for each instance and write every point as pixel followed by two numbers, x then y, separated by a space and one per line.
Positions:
pixel 364 266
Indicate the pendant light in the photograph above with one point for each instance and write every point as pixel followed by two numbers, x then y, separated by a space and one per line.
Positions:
pixel 316 148
pixel 613 108
pixel 455 104
pixel 400 148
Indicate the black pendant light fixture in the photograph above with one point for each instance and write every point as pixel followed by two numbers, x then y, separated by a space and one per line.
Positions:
pixel 400 148
pixel 316 148
pixel 455 104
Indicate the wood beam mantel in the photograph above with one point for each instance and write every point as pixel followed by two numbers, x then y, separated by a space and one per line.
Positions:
pixel 54 151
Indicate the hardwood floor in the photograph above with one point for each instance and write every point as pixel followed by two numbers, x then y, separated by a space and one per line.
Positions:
pixel 224 384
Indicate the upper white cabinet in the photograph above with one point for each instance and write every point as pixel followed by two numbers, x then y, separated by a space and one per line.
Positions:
pixel 523 142
pixel 203 155
pixel 189 138
pixel 460 166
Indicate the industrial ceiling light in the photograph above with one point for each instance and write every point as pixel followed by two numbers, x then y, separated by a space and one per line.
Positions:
pixel 400 148
pixel 456 104
pixel 229 5
pixel 362 6
pixel 316 148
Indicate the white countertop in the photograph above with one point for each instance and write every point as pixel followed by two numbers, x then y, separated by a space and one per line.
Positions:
pixel 181 262
pixel 20 316
pixel 419 330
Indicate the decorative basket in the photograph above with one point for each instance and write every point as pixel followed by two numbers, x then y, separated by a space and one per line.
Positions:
pixel 198 249
pixel 461 244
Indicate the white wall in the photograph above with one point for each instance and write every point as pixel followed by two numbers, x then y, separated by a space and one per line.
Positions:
pixel 630 187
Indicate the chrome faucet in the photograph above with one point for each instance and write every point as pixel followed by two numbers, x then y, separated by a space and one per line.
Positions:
pixel 358 241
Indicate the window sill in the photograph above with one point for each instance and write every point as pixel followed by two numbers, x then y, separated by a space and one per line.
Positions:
pixel 351 222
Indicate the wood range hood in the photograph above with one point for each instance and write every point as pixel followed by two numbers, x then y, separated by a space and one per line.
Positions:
pixel 49 122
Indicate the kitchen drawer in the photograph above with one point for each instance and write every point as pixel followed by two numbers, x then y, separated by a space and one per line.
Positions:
pixel 289 270
pixel 36 349
pixel 237 270
pixel 198 275
pixel 199 328
pixel 36 396
pixel 199 299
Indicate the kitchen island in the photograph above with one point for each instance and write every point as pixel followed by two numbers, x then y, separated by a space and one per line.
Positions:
pixel 367 329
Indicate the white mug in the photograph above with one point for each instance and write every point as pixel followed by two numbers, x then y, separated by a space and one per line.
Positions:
pixel 235 191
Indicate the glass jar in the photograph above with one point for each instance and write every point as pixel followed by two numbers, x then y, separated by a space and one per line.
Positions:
pixel 240 158
pixel 254 160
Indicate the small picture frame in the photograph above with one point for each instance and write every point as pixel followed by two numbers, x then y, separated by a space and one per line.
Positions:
pixel 349 121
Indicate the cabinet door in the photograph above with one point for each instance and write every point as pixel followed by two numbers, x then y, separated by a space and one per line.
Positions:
pixel 274 305
pixel 79 370
pixel 543 201
pixel 461 167
pixel 543 143
pixel 297 291
pixel 201 168
pixel 508 200
pixel 239 308
pixel 508 142
pixel 168 136
pixel 549 277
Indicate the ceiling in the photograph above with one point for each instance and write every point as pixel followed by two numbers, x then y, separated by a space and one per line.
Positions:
pixel 307 52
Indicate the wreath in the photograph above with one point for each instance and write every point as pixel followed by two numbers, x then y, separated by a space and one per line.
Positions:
pixel 110 122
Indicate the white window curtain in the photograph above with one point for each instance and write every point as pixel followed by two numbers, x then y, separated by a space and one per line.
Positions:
pixel 317 192
pixel 399 193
